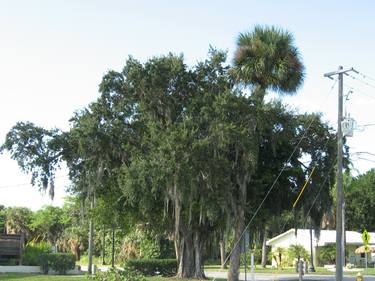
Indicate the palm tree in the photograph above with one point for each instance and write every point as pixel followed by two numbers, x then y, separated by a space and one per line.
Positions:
pixel 265 59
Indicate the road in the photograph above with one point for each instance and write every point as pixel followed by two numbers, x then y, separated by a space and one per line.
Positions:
pixel 285 277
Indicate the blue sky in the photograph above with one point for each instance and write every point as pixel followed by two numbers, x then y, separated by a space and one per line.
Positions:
pixel 54 53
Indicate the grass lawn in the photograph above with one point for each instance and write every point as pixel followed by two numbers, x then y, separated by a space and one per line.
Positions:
pixel 38 277
pixel 174 279
pixel 291 270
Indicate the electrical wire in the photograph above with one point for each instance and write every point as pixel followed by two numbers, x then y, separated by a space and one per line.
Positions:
pixel 363 152
pixel 366 159
pixel 358 91
pixel 365 76
pixel 273 184
pixel 318 193
pixel 26 184
pixel 360 80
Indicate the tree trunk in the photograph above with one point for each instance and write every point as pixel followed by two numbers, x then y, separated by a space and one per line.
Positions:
pixel 103 247
pixel 74 247
pixel 222 250
pixel 190 261
pixel 239 226
pixel 199 271
pixel 177 249
pixel 91 238
pixel 113 247
pixel 233 273
pixel 264 248
pixel 186 266
pixel 188 244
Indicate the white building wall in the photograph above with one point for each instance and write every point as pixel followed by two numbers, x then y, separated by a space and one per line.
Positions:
pixel 327 237
pixel 302 238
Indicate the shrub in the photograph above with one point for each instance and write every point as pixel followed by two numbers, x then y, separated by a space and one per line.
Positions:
pixel 34 252
pixel 117 275
pixel 280 257
pixel 150 267
pixel 257 256
pixel 61 262
pixel 326 254
pixel 295 251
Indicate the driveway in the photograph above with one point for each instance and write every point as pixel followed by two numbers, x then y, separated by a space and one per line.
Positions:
pixel 285 277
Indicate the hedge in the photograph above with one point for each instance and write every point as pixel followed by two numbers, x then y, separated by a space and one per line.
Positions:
pixel 151 267
pixel 59 262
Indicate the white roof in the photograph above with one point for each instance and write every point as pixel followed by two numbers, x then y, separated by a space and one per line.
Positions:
pixel 326 237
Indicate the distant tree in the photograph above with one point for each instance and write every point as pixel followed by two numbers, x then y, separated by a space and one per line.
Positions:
pixel 18 220
pixel 48 224
pixel 359 201
pixel 2 219
pixel 34 150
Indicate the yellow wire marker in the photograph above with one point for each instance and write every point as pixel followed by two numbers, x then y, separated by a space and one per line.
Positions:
pixel 303 188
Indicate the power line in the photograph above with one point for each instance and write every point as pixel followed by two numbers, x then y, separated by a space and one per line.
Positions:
pixel 366 159
pixel 365 76
pixel 361 92
pixel 318 193
pixel 274 183
pixel 363 152
pixel 360 80
pixel 26 184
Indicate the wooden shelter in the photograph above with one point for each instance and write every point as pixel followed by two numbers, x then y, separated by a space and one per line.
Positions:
pixel 12 247
pixel 362 250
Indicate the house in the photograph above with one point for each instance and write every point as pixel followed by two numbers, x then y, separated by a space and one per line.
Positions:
pixel 326 238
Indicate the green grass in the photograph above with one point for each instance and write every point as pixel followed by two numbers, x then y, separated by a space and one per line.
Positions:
pixel 259 269
pixel 38 277
pixel 174 279
pixel 95 260
pixel 291 270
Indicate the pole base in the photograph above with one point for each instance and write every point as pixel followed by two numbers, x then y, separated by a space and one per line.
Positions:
pixel 311 269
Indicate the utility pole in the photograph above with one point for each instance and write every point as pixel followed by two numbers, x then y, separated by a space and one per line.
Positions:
pixel 312 268
pixel 340 228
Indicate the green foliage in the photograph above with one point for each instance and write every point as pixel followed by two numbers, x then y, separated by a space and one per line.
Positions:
pixel 61 262
pixel 257 256
pixel 326 254
pixel 40 254
pixel 2 219
pixel 150 267
pixel 34 252
pixel 18 220
pixel 359 200
pixel 280 257
pixel 48 223
pixel 43 262
pixel 116 275
pixel 140 244
pixel 180 150
pixel 295 252
pixel 266 56
pixel 34 150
